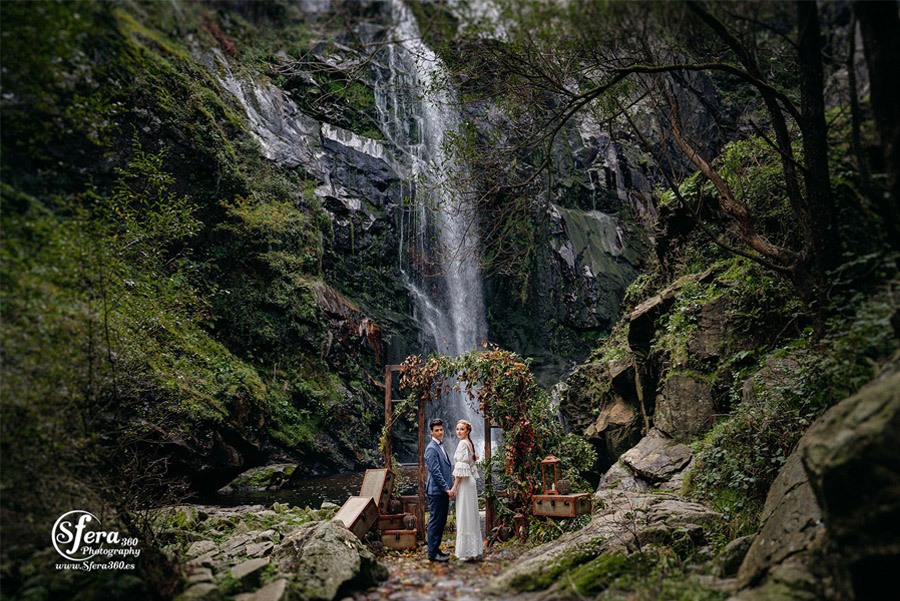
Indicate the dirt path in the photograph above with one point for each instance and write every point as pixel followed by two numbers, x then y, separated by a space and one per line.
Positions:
pixel 414 578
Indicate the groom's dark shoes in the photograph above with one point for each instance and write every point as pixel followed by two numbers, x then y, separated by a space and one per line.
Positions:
pixel 439 557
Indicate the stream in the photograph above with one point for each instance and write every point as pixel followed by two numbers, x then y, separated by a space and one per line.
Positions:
pixel 310 492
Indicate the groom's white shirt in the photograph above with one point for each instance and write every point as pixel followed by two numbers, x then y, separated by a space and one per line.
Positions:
pixel 440 445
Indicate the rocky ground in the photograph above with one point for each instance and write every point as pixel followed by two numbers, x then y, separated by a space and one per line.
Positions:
pixel 413 578
pixel 640 524
pixel 254 553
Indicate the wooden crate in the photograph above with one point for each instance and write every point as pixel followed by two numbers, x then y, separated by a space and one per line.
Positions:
pixel 358 514
pixel 391 521
pixel 399 539
pixel 378 484
pixel 411 505
pixel 561 506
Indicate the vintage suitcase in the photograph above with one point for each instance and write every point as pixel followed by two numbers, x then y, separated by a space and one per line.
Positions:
pixel 561 506
pixel 358 514
pixel 391 521
pixel 399 539
pixel 378 484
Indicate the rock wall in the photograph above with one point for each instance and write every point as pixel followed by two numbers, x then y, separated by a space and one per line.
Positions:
pixel 830 523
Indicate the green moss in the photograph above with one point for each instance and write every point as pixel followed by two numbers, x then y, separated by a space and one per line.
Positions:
pixel 599 573
pixel 708 377
pixel 437 25
pixel 546 576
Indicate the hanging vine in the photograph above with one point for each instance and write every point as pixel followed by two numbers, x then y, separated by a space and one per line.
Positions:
pixel 504 389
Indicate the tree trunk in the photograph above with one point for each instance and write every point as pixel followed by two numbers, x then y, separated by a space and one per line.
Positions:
pixel 880 26
pixel 825 242
pixel 856 117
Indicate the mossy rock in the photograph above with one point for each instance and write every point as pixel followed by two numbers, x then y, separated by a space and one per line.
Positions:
pixel 264 477
pixel 599 573
pixel 326 560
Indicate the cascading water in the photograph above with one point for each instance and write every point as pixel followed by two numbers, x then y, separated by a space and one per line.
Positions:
pixel 439 244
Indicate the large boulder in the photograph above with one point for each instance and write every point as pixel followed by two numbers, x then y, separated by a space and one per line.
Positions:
pixel 327 559
pixel 831 523
pixel 770 383
pixel 791 527
pixel 264 477
pixel 657 458
pixel 628 516
pixel 711 337
pixel 685 409
pixel 616 429
pixel 854 466
pixel 625 522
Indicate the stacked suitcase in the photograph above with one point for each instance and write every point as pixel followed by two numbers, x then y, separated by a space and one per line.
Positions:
pixel 359 514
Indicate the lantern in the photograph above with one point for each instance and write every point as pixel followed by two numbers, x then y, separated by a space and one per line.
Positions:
pixel 550 464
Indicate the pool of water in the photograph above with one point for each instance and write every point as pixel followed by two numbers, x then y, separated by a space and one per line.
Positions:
pixel 311 492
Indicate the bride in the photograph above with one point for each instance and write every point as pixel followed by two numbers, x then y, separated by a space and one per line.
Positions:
pixel 468 522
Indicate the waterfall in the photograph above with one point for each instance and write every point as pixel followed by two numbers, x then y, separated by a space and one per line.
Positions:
pixel 418 111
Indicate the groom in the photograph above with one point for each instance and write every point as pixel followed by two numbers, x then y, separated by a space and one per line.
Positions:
pixel 437 487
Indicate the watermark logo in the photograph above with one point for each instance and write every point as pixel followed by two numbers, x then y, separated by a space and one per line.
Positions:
pixel 78 537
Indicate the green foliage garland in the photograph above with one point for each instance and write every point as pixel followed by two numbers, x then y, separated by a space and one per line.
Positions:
pixel 505 390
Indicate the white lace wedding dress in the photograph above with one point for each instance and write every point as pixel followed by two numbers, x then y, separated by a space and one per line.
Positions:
pixel 469 543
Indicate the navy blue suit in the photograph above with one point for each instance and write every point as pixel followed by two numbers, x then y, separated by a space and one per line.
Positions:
pixel 440 480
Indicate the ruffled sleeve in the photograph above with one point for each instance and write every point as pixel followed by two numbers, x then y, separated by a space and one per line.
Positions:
pixel 464 464
pixel 463 470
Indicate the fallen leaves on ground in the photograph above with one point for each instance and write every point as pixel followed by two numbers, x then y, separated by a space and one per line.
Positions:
pixel 413 578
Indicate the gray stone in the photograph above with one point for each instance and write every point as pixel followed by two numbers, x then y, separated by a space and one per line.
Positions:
pixel 656 458
pixel 249 572
pixel 778 375
pixel 676 483
pixel 235 544
pixel 684 408
pixel 790 581
pixel 257 549
pixel 201 547
pixel 619 439
pixel 791 522
pixel 204 591
pixel 731 557
pixel 206 560
pixel 710 339
pixel 677 513
pixel 325 556
pixel 616 413
pixel 200 574
pixel 620 478
pixel 852 458
pixel 274 591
